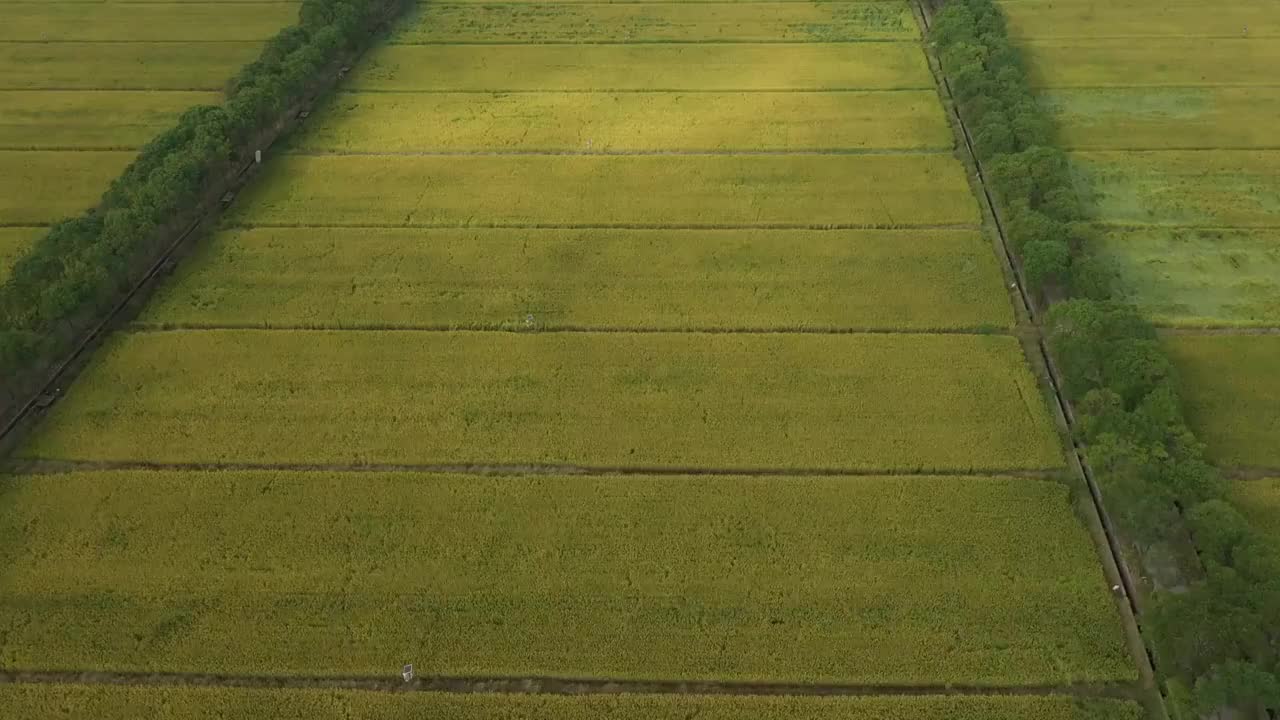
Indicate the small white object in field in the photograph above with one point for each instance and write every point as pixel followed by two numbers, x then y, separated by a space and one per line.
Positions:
pixel 407 673
pixel 257 156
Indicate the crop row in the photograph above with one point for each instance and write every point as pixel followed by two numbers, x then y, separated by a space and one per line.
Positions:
pixel 652 279
pixel 659 22
pixel 89 119
pixel 42 187
pixel 127 703
pixel 897 580
pixel 766 66
pixel 56 22
pixel 610 121
pixel 122 65
pixel 674 400
pixel 1231 391
pixel 738 190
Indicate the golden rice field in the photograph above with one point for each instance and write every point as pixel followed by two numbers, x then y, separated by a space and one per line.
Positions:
pixel 1141 19
pixel 492 188
pixel 89 119
pixel 613 399
pixel 678 190
pixel 895 580
pixel 42 187
pixel 652 279
pixel 1165 118
pixel 724 66
pixel 615 122
pixel 143 22
pixel 125 703
pixel 1230 390
pixel 657 22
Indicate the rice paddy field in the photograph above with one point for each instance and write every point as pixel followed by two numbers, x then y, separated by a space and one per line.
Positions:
pixel 124 703
pixel 84 85
pixel 650 341
pixel 1169 110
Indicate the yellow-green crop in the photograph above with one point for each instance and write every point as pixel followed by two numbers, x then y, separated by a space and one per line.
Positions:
pixel 654 279
pixel 1232 188
pixel 696 190
pixel 1170 62
pixel 1230 386
pixel 42 187
pixel 1165 118
pixel 13 243
pixel 724 66
pixel 104 702
pixel 145 22
pixel 90 119
pixel 1138 21
pixel 684 400
pixel 122 65
pixel 831 579
pixel 604 122
pixel 658 22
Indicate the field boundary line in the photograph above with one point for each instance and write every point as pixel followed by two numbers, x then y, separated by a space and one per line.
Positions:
pixel 130 88
pixel 1110 550
pixel 513 43
pixel 146 327
pixel 50 467
pixel 926 150
pixel 1185 330
pixel 611 226
pixel 602 91
pixel 548 685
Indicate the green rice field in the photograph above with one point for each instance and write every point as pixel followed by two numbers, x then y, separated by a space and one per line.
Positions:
pixel 677 577
pixel 1153 62
pixel 133 22
pixel 1201 118
pixel 1141 19
pixel 1230 388
pixel 674 400
pixel 652 279
pixel 123 703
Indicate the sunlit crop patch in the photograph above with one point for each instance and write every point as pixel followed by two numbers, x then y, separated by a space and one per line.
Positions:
pixel 835 579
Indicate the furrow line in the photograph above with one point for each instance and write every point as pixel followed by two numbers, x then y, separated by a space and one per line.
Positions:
pixel 559 91
pixel 613 226
pixel 542 685
pixel 513 327
pixel 475 43
pixel 51 467
pixel 620 153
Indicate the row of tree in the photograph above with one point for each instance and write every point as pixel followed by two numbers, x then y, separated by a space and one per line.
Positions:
pixel 1216 639
pixel 83 266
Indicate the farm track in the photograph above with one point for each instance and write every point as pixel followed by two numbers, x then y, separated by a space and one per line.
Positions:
pixel 615 226
pixel 52 467
pixel 619 153
pixel 483 43
pixel 554 686
pixel 587 329
pixel 1114 559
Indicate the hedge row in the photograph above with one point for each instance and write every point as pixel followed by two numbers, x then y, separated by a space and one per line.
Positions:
pixel 82 267
pixel 1217 640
